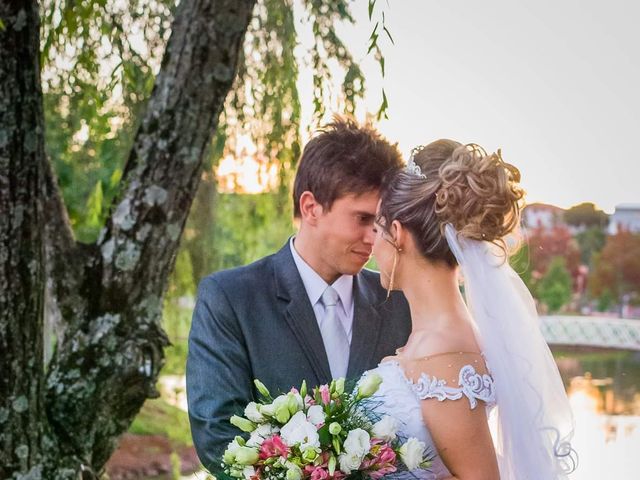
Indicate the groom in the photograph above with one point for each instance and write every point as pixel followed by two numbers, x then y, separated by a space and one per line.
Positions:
pixel 308 312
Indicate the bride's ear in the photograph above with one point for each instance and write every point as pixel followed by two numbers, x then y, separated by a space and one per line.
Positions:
pixel 399 234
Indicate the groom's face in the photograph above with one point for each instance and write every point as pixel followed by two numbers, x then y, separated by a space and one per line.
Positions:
pixel 345 232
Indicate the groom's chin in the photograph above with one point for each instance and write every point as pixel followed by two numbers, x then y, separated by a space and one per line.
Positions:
pixel 354 268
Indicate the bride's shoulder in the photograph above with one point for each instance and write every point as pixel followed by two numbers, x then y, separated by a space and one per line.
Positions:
pixel 451 375
pixel 390 359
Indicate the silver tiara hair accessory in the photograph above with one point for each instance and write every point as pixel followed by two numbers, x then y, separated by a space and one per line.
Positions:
pixel 412 167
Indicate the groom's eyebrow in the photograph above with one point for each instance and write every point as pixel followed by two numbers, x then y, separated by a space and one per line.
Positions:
pixel 364 215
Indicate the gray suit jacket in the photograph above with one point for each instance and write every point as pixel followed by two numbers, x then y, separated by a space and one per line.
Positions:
pixel 257 322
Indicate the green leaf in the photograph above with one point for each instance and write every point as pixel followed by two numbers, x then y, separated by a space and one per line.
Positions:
pixel 324 435
pixel 374 33
pixel 382 65
pixel 388 34
pixel 382 112
pixel 2 27
pixel 372 4
pixel 94 207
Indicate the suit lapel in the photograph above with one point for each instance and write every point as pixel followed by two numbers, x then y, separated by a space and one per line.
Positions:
pixel 299 314
pixel 366 330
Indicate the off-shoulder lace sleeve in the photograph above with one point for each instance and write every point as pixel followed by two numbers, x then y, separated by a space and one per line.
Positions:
pixel 452 376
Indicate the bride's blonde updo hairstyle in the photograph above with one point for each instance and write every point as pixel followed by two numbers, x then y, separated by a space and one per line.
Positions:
pixel 478 193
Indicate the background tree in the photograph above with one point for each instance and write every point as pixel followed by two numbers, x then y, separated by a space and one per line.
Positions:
pixel 586 215
pixel 105 285
pixel 545 244
pixel 555 287
pixel 616 269
pixel 591 241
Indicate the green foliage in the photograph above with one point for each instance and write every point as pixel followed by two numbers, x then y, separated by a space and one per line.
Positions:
pixel 586 215
pixel 605 300
pixel 591 241
pixel 248 227
pixel 617 267
pixel 554 289
pixel 98 60
pixel 378 28
pixel 521 263
pixel 176 314
pixel 88 153
pixel 175 466
pixel 157 417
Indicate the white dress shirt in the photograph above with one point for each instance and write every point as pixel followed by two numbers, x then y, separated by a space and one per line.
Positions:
pixel 315 286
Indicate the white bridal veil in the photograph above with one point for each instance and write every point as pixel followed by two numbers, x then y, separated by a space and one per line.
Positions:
pixel 534 420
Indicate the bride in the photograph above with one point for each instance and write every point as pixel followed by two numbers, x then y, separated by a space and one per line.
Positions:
pixel 476 381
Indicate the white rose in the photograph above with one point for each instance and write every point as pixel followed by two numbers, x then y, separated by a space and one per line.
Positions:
pixel 294 472
pixel 316 415
pixel 412 453
pixel 230 453
pixel 259 434
pixel 358 442
pixel 278 406
pixel 299 431
pixel 386 429
pixel 281 401
pixel 269 410
pixel 368 385
pixel 299 401
pixel 248 472
pixel 349 462
pixel 252 413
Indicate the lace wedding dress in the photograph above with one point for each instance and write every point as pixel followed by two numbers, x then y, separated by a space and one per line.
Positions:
pixel 446 377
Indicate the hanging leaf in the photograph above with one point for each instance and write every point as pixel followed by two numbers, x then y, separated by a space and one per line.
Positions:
pixel 382 111
pixel 388 34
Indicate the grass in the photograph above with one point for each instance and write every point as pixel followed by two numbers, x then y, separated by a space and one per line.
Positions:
pixel 157 417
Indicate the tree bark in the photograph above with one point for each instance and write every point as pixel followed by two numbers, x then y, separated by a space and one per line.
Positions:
pixel 21 235
pixel 107 295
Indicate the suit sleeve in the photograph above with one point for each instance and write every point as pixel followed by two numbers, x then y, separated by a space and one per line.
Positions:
pixel 219 379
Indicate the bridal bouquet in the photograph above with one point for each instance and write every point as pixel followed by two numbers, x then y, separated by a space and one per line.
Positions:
pixel 326 433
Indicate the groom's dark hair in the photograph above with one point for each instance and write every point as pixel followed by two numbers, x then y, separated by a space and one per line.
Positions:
pixel 344 158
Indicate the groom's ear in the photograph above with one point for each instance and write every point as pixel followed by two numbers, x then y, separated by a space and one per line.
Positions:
pixel 310 209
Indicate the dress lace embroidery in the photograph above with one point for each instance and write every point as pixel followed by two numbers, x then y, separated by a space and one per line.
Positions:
pixel 472 385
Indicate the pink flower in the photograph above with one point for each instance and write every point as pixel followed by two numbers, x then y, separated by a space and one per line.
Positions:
pixel 325 394
pixel 294 390
pixel 386 455
pixel 383 461
pixel 317 473
pixel 377 474
pixel 273 447
pixel 309 401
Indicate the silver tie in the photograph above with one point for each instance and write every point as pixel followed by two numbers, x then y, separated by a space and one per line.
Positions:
pixel 335 339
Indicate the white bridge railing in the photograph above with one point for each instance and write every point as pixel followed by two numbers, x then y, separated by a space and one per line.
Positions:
pixel 602 332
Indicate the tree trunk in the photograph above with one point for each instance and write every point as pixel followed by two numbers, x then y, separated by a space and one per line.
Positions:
pixel 21 234
pixel 108 295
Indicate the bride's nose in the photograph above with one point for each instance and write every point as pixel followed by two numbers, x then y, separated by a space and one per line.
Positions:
pixel 369 235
